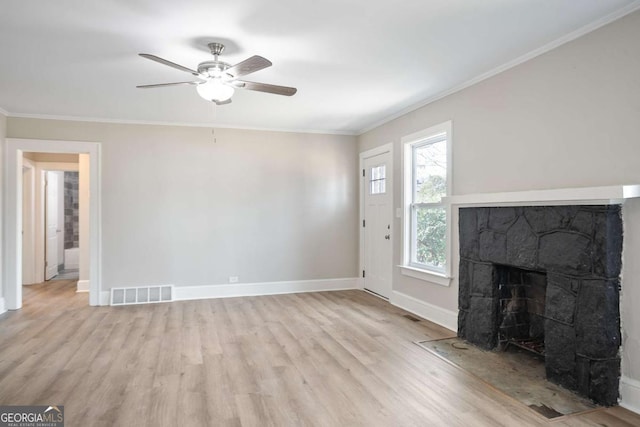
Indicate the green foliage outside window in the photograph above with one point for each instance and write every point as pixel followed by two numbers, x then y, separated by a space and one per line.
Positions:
pixel 431 224
pixel 431 230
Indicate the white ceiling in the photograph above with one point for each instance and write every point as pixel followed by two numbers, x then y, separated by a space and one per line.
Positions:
pixel 355 63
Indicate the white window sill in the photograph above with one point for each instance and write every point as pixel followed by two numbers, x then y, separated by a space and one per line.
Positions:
pixel 428 276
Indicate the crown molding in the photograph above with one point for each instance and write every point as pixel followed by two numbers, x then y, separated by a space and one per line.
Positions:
pixel 181 124
pixel 586 29
pixel 4 112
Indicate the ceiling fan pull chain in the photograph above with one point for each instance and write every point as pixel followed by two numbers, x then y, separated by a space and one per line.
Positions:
pixel 214 112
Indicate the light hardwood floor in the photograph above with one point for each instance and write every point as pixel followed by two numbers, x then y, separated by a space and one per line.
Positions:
pixel 328 359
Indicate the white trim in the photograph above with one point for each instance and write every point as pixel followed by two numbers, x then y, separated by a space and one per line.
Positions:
pixel 433 313
pixel 3 307
pixel 105 298
pixel 630 394
pixel 83 286
pixel 31 225
pixel 615 194
pixel 408 142
pixel 187 293
pixel 183 293
pixel 13 212
pixel 4 112
pixel 180 124
pixel 386 148
pixel 382 149
pixel 586 29
pixel 427 276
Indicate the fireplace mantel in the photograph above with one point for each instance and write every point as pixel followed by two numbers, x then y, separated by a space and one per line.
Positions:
pixel 609 195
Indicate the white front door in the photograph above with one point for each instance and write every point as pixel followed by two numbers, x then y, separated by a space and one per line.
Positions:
pixel 377 224
pixel 51 215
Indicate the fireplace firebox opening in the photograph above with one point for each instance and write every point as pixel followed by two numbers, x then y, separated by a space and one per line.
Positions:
pixel 521 318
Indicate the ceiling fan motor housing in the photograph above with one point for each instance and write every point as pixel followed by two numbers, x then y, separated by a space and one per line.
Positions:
pixel 212 68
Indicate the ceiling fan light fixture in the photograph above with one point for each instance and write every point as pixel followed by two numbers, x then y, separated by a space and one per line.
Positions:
pixel 215 90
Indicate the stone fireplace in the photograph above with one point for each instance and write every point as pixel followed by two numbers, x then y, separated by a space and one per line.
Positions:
pixel 546 278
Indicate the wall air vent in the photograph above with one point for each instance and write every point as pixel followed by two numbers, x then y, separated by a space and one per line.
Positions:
pixel 141 295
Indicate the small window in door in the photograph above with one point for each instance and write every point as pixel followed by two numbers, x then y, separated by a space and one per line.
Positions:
pixel 378 180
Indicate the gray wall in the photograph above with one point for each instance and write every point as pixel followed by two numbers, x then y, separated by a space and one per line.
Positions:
pixel 568 118
pixel 3 132
pixel 71 210
pixel 179 208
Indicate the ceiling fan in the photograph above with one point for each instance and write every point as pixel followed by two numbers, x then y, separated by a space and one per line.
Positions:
pixel 218 80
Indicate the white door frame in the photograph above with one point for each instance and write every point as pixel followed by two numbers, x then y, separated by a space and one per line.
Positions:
pixel 386 148
pixel 29 223
pixel 13 213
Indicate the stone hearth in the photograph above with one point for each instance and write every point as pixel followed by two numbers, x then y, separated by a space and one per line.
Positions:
pixel 579 248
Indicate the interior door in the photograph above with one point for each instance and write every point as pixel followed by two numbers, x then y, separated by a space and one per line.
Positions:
pixel 51 226
pixel 377 224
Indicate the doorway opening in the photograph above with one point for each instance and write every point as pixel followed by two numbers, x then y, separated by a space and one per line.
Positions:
pixel 36 250
pixel 50 217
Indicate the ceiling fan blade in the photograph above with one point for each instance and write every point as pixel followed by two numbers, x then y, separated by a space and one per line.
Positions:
pixel 169 63
pixel 248 66
pixel 228 101
pixel 167 84
pixel 264 87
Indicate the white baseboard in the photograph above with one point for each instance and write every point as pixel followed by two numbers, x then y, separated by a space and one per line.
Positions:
pixel 105 298
pixel 3 307
pixel 630 394
pixel 83 286
pixel 183 293
pixel 433 313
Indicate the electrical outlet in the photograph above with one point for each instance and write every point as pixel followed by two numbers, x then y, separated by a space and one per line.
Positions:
pixel 233 279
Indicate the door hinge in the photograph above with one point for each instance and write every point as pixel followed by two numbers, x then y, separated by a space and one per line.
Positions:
pixel 362 172
pixel 362 273
pixel 363 222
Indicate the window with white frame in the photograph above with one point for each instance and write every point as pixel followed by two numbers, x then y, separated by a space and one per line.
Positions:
pixel 427 169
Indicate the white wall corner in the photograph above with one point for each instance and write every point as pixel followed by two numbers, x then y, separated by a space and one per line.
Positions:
pixel 83 286
pixel 630 394
pixel 3 307
pixel 433 313
pixel 183 293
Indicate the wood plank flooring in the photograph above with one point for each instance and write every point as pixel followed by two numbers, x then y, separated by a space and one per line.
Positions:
pixel 317 359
